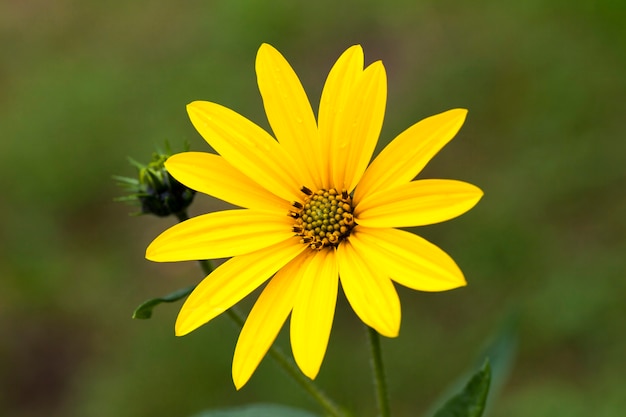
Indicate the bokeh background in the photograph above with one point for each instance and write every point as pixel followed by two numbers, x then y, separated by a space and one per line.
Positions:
pixel 83 85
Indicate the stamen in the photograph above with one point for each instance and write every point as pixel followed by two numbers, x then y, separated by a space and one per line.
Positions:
pixel 324 218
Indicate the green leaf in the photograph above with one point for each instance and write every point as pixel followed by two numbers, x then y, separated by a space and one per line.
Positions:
pixel 257 410
pixel 144 311
pixel 501 351
pixel 471 401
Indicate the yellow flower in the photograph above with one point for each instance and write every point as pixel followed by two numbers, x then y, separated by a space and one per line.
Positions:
pixel 313 212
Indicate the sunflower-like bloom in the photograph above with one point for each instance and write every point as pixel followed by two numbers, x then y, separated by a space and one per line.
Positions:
pixel 313 213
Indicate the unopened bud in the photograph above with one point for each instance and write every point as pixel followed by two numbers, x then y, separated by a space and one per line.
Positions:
pixel 155 190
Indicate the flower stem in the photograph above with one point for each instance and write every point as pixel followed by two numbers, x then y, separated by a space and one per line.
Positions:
pixel 287 364
pixel 309 386
pixel 379 373
pixel 292 370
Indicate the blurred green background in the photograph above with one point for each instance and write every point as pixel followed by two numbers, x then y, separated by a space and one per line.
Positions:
pixel 83 85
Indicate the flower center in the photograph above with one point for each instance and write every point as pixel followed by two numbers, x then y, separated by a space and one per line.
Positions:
pixel 324 219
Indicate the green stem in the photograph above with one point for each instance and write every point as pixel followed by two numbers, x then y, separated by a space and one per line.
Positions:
pixel 292 370
pixel 287 364
pixel 313 390
pixel 379 373
pixel 182 216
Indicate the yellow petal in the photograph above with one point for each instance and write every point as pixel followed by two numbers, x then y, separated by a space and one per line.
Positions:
pixel 211 174
pixel 289 113
pixel 313 311
pixel 232 281
pixel 266 319
pixel 408 259
pixel 408 153
pixel 247 147
pixel 417 203
pixel 359 126
pixel 368 290
pixel 335 99
pixel 220 234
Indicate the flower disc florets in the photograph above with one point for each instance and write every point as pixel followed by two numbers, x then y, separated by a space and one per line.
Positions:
pixel 324 218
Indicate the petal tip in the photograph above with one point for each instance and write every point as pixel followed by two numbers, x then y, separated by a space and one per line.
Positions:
pixel 178 332
pixel 182 328
pixel 355 51
pixel 152 252
pixel 458 113
pixel 309 371
pixel 390 330
pixel 160 249
pixel 186 322
pixel 478 194
pixel 197 107
pixel 238 384
pixel 378 68
pixel 193 104
pixel 264 49
pixel 392 333
pixel 356 48
pixel 169 163
pixel 240 378
pixel 459 281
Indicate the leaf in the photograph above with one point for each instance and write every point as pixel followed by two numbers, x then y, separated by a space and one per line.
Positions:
pixel 257 410
pixel 500 351
pixel 144 311
pixel 471 401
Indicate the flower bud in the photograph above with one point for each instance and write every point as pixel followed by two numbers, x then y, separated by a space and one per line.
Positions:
pixel 155 190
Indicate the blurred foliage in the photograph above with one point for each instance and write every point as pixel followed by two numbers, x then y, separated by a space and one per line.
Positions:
pixel 83 85
pixel 258 410
pixel 471 401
